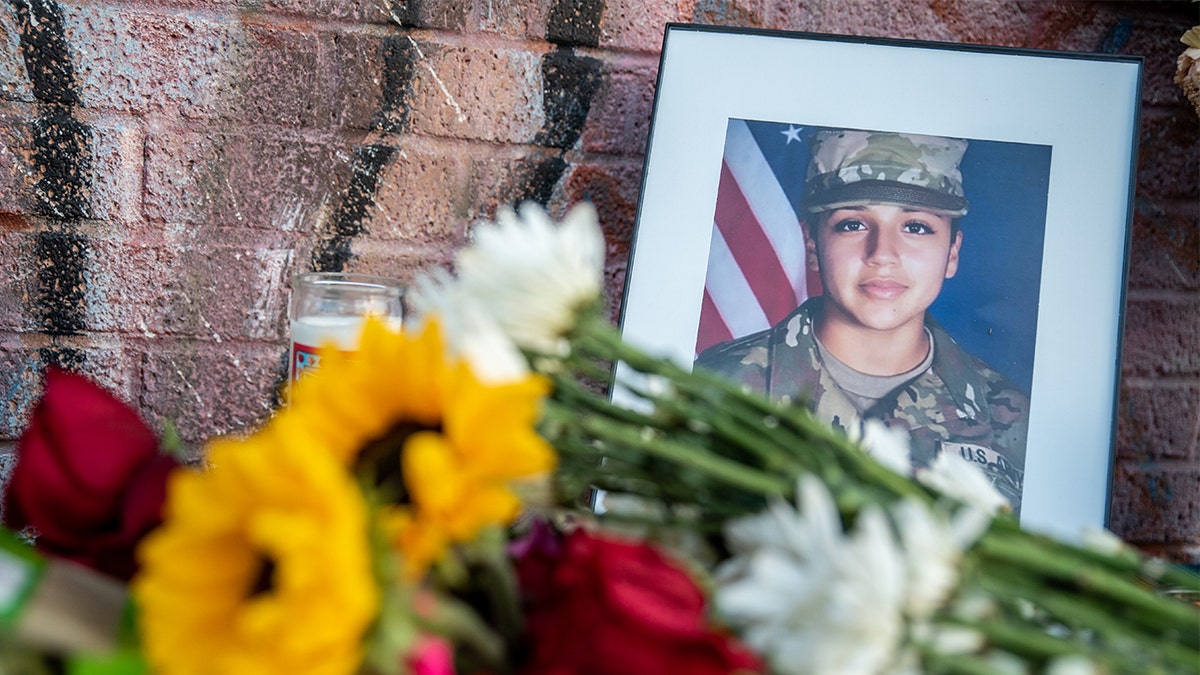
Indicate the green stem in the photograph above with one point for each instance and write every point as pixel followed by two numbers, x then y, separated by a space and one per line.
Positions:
pixel 1019 551
pixel 647 440
pixel 457 621
pixel 966 664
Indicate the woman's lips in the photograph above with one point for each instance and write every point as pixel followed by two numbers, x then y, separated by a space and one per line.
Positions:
pixel 882 289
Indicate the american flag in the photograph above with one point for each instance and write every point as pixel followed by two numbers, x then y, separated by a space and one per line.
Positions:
pixel 756 268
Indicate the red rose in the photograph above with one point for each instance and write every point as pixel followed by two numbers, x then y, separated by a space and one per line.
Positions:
pixel 600 606
pixel 89 477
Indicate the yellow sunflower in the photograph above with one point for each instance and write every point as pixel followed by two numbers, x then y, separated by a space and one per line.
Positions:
pixel 451 446
pixel 262 565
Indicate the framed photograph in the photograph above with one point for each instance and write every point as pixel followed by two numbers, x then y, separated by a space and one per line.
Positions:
pixel 935 235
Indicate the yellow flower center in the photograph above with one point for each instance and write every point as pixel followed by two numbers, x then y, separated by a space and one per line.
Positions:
pixel 379 461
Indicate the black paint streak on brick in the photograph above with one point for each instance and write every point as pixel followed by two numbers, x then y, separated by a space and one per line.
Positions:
pixel 575 22
pixel 62 162
pixel 349 221
pixel 62 158
pixel 62 263
pixel 66 358
pixel 44 48
pixel 405 13
pixel 400 56
pixel 540 180
pixel 399 66
pixel 569 82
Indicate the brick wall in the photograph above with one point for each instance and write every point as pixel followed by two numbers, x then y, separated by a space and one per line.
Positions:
pixel 166 165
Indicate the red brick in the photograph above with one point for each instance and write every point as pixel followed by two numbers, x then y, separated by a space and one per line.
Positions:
pixel 507 178
pixel 214 293
pixel 1169 155
pixel 1156 504
pixel 17 180
pixel 11 164
pixel 18 283
pixel 349 10
pixel 137 61
pixel 739 13
pixel 1069 26
pixel 117 150
pixel 1165 249
pixel 1157 421
pixel 21 380
pixel 456 91
pixel 1160 336
pixel 613 187
pixel 262 180
pixel 1183 553
pixel 619 120
pixel 1156 39
pixel 130 60
pixel 357 100
pixel 518 18
pixel 276 77
pixel 1063 25
pixel 636 25
pixel 108 363
pixel 886 18
pixel 490 94
pixel 399 262
pixel 425 194
pixel 209 389
pixel 14 82
pixel 115 177
pixel 451 15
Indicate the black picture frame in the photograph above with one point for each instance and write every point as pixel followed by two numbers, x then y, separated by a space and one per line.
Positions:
pixel 1060 126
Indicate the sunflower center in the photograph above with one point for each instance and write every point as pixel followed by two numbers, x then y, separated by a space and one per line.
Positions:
pixel 379 462
pixel 264 583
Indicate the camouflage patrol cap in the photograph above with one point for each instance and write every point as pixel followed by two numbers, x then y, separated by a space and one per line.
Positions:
pixel 855 168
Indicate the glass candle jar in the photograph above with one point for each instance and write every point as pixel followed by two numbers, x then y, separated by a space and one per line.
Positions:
pixel 329 308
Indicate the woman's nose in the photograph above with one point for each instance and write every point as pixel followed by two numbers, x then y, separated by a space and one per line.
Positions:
pixel 881 247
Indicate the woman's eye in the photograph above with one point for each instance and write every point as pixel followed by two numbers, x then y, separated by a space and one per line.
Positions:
pixel 849 225
pixel 916 227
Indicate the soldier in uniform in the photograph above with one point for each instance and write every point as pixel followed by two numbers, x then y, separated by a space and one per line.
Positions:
pixel 882 232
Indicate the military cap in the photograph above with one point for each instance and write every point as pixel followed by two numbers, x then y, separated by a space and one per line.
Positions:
pixel 856 168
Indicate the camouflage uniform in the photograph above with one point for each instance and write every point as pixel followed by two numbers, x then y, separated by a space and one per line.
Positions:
pixel 958 405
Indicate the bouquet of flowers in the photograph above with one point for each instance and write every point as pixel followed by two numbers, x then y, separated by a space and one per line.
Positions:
pixel 423 506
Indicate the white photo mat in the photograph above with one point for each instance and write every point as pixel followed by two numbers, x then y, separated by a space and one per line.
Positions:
pixel 1084 106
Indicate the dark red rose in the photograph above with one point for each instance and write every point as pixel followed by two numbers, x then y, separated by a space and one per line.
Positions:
pixel 599 606
pixel 89 477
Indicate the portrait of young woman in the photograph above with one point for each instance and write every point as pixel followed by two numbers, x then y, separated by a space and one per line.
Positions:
pixel 886 220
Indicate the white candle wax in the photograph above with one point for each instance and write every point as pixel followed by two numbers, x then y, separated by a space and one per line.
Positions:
pixel 311 333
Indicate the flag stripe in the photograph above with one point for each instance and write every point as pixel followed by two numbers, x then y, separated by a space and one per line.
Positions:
pixel 712 323
pixel 756 268
pixel 767 199
pixel 732 297
pixel 752 250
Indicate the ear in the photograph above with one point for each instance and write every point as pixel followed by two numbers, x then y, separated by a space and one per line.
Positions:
pixel 810 248
pixel 952 259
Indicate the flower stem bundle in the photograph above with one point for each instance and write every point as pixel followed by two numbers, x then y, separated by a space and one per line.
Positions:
pixel 708 451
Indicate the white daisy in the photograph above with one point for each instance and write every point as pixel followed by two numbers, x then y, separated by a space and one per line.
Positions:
pixel 470 332
pixel 933 549
pixel 533 276
pixel 964 481
pixel 888 446
pixel 808 596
